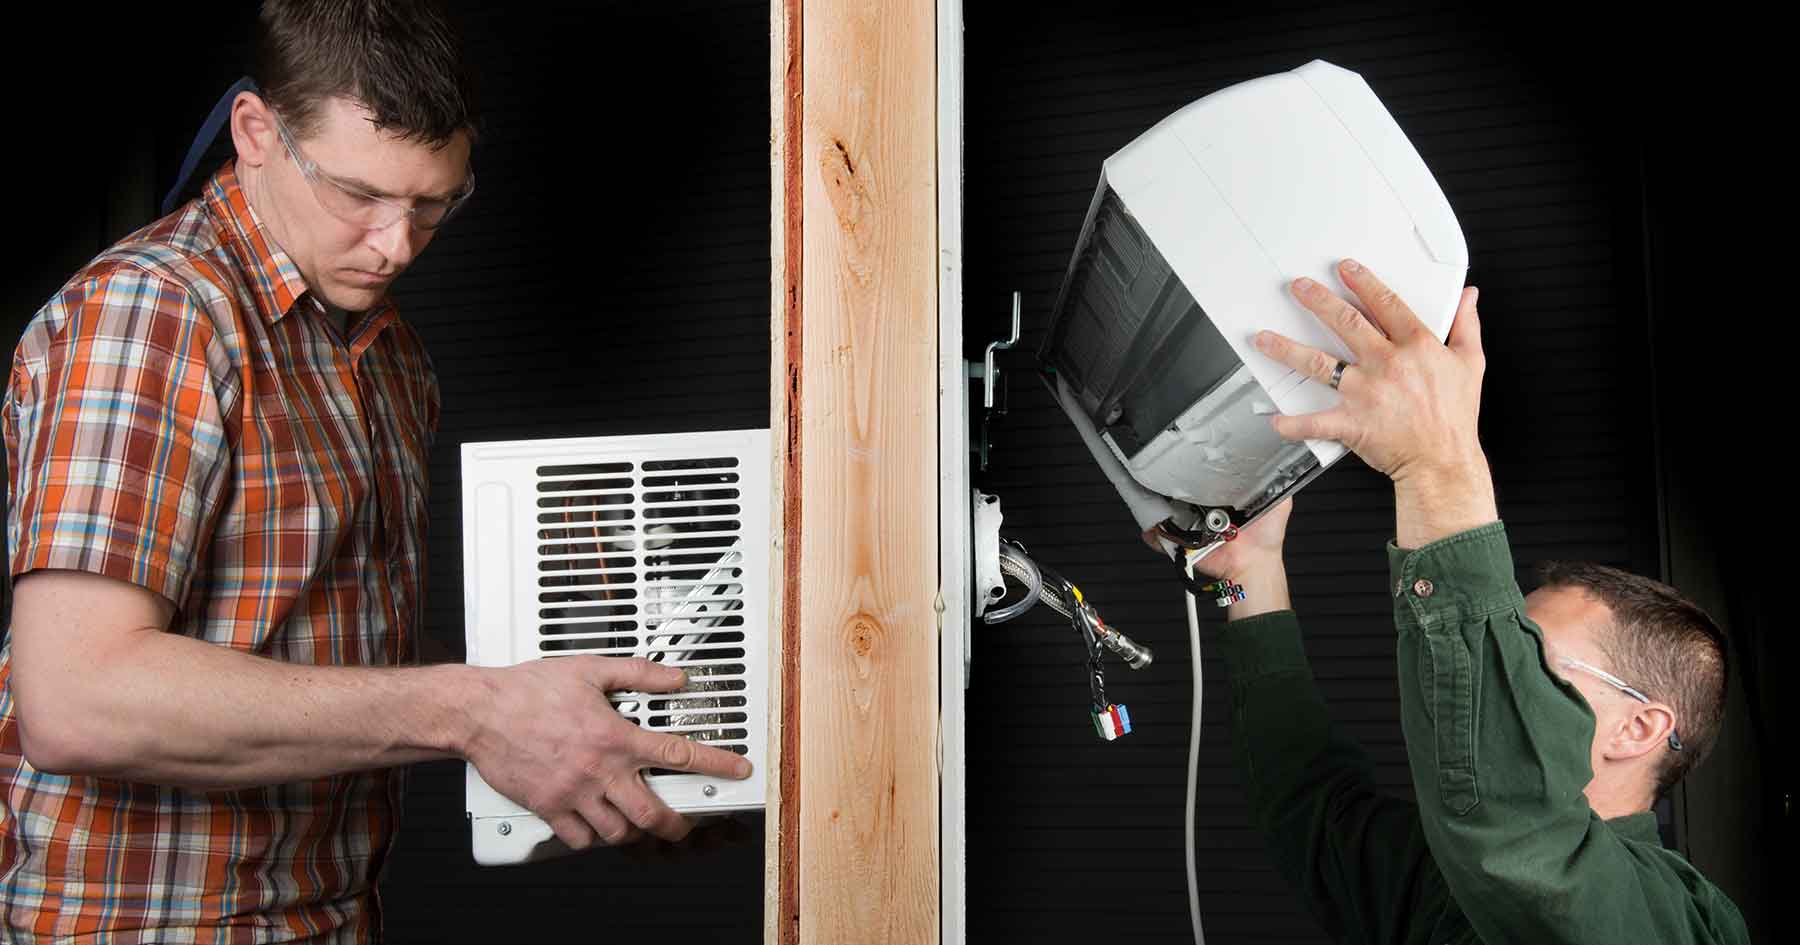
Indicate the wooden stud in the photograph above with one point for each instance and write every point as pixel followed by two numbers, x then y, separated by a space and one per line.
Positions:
pixel 781 909
pixel 855 806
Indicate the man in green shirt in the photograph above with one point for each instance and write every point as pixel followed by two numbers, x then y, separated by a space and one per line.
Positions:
pixel 1539 730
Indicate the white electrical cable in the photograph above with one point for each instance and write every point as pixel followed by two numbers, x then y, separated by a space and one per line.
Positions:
pixel 1193 880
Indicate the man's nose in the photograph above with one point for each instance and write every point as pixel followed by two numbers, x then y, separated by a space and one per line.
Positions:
pixel 399 241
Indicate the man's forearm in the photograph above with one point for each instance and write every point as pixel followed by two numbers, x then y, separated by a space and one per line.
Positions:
pixel 1444 501
pixel 1353 854
pixel 161 708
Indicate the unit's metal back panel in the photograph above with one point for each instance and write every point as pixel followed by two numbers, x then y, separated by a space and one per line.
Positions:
pixel 1134 344
pixel 647 546
pixel 1147 366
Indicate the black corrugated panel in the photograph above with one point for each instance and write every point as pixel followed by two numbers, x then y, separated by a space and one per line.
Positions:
pixel 610 277
pixel 1071 839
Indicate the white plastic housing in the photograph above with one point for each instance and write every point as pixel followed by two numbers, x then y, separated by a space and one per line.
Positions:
pixel 647 546
pixel 1240 193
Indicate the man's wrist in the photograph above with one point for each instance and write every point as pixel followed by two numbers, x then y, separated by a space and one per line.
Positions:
pixel 1435 502
pixel 1265 589
pixel 457 695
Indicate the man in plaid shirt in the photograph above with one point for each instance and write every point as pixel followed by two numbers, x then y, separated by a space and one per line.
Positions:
pixel 217 438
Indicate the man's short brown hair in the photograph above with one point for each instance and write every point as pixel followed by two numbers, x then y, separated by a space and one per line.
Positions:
pixel 400 59
pixel 1663 644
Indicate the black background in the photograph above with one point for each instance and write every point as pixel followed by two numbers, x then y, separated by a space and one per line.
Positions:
pixel 1621 184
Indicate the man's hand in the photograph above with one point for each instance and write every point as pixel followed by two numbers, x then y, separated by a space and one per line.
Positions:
pixel 1409 405
pixel 1257 546
pixel 1253 561
pixel 546 736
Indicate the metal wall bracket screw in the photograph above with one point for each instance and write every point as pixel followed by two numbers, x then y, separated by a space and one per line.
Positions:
pixel 989 374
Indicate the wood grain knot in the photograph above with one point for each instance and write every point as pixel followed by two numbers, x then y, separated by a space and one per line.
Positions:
pixel 865 633
pixel 848 192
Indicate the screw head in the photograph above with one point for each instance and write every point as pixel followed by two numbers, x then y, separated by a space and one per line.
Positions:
pixel 505 828
pixel 709 790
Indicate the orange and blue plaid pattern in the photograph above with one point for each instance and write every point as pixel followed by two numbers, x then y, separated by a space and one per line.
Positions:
pixel 183 415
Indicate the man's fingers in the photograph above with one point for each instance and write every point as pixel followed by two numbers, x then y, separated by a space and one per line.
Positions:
pixel 1325 425
pixel 616 674
pixel 608 824
pixel 1340 316
pixel 645 810
pixel 572 830
pixel 1307 360
pixel 659 750
pixel 1386 308
pixel 1465 330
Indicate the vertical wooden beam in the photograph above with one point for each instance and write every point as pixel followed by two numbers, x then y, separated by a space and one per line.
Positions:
pixel 956 614
pixel 854 817
pixel 781 907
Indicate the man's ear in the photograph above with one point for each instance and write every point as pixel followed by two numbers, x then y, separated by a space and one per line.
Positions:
pixel 1646 729
pixel 253 130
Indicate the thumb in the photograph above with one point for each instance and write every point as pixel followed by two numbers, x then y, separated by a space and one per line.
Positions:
pixel 1465 329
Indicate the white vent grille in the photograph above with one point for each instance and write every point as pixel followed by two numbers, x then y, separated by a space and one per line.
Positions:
pixel 646 561
pixel 653 547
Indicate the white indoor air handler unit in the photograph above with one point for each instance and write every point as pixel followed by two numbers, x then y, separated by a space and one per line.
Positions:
pixel 648 546
pixel 1194 234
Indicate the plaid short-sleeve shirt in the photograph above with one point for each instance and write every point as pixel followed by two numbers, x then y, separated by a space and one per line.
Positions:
pixel 185 416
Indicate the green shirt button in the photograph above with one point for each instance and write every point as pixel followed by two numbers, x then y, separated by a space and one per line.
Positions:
pixel 1423 588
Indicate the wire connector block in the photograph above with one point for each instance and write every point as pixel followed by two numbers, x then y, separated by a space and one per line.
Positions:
pixel 1112 721
pixel 1227 592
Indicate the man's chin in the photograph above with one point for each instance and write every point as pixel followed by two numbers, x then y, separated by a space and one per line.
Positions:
pixel 354 298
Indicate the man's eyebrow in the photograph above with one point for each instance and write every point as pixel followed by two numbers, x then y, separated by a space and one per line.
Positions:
pixel 375 191
pixel 366 187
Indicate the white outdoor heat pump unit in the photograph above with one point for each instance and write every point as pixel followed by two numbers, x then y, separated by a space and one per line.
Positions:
pixel 1194 234
pixel 648 546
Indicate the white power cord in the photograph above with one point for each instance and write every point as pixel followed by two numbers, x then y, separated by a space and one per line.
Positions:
pixel 1193 880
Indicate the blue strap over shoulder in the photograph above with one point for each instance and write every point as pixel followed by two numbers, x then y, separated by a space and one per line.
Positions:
pixel 221 113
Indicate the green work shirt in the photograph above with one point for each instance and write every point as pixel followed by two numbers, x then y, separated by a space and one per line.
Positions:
pixel 1501 846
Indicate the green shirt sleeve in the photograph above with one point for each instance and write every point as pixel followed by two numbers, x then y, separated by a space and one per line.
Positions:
pixel 1499 750
pixel 1355 855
